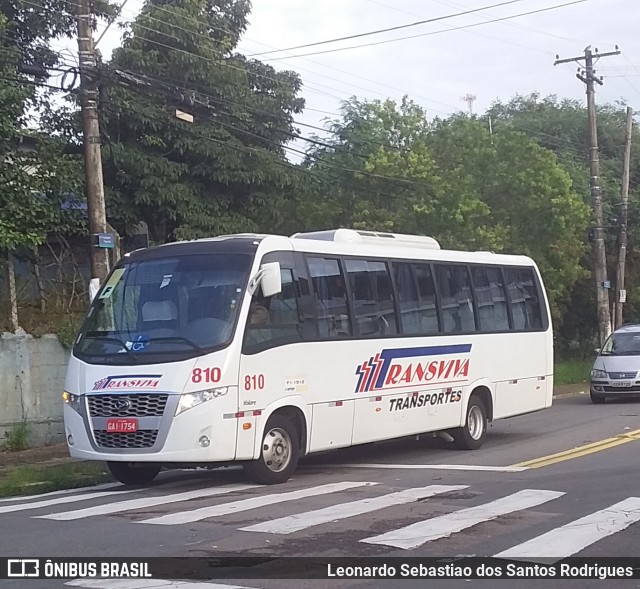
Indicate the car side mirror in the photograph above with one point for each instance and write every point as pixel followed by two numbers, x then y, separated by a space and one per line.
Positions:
pixel 597 350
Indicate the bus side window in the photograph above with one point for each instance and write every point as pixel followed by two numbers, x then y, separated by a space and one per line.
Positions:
pixel 454 288
pixel 372 294
pixel 275 320
pixel 491 298
pixel 332 312
pixel 524 298
pixel 427 292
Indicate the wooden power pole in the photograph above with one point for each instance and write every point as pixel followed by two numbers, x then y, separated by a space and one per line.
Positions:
pixel 588 76
pixel 92 154
pixel 621 293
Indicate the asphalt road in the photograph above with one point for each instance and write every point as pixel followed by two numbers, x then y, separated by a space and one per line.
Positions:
pixel 407 498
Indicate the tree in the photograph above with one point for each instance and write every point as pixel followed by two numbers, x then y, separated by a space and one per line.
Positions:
pixel 561 126
pixel 533 205
pixel 379 173
pixel 30 178
pixel 390 169
pixel 226 171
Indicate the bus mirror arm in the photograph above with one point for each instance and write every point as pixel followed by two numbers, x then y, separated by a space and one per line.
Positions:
pixel 268 277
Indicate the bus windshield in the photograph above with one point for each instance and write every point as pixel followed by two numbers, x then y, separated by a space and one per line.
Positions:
pixel 182 306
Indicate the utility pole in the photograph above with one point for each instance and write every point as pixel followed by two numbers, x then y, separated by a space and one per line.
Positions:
pixel 587 75
pixel 621 293
pixel 91 136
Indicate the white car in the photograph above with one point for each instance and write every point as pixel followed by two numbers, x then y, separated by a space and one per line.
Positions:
pixel 615 369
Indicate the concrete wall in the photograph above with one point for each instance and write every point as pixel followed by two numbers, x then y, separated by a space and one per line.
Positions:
pixel 32 372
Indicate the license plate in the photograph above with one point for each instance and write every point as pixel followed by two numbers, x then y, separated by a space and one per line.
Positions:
pixel 622 383
pixel 120 426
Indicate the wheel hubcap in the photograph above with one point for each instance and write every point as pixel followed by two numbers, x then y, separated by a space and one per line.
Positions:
pixel 476 422
pixel 276 449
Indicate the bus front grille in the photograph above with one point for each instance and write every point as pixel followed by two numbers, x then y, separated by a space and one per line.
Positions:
pixel 136 405
pixel 140 439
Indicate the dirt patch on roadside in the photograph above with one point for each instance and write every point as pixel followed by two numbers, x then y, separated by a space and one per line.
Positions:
pixel 44 454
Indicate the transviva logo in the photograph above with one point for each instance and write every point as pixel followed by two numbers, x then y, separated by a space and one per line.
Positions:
pixel 395 368
pixel 142 381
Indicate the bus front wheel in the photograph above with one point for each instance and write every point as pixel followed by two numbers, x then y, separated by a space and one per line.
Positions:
pixel 133 475
pixel 279 454
pixel 471 435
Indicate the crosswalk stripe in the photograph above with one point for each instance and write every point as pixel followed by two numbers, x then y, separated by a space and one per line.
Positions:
pixel 445 525
pixel 148 584
pixel 579 534
pixel 143 502
pixel 294 523
pixel 61 500
pixel 252 503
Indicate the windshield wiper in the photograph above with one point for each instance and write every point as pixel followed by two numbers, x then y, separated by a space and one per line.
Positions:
pixel 177 338
pixel 111 339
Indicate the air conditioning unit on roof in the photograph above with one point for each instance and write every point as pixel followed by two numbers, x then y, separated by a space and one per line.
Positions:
pixel 371 238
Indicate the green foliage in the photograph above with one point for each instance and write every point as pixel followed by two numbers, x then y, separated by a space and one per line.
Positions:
pixel 68 329
pixel 226 171
pixel 27 479
pixel 390 169
pixel 572 371
pixel 17 439
pixel 534 209
pixel 32 181
pixel 561 126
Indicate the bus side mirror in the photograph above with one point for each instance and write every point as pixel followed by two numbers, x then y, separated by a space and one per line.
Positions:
pixel 268 277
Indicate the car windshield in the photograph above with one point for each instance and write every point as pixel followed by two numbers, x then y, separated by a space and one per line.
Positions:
pixel 181 306
pixel 622 344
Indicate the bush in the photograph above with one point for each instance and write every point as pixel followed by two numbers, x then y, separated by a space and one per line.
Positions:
pixel 17 439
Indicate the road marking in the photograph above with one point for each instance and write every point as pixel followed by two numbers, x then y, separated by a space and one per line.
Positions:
pixel 579 534
pixel 61 492
pixel 148 584
pixel 300 521
pixel 581 450
pixel 184 517
pixel 445 525
pixel 63 499
pixel 514 468
pixel 143 502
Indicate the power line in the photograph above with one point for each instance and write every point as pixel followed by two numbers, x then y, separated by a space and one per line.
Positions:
pixel 389 29
pixel 111 21
pixel 463 27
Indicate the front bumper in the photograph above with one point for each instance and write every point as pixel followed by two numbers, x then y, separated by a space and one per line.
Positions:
pixel 612 389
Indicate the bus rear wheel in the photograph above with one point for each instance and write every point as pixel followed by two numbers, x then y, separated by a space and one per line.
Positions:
pixel 471 435
pixel 129 474
pixel 279 454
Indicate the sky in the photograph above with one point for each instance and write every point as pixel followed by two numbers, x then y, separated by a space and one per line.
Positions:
pixel 488 60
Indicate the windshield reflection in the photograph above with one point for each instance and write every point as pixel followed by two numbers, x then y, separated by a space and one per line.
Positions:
pixel 146 310
pixel 622 344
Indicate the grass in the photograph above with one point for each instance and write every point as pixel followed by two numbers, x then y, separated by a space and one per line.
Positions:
pixel 33 479
pixel 573 371
pixel 16 439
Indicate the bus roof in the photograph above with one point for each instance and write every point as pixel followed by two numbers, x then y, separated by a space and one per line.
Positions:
pixel 334 242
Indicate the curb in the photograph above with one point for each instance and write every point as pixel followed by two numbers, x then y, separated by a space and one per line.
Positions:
pixel 573 394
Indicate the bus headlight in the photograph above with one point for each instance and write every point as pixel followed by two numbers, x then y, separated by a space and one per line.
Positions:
pixel 72 400
pixel 189 400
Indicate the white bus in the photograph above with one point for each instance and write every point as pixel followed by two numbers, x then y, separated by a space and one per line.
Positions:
pixel 259 349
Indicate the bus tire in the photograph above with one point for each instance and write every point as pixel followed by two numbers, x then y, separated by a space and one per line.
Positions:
pixel 133 475
pixel 471 435
pixel 279 454
pixel 596 399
